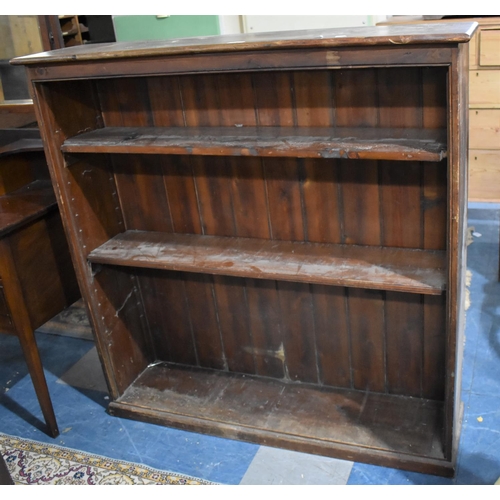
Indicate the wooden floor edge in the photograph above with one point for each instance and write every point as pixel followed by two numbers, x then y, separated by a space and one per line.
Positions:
pixel 341 451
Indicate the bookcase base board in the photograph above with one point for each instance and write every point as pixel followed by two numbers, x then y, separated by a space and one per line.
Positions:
pixel 395 431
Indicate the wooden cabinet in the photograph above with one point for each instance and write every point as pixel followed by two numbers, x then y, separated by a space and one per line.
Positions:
pixel 269 232
pixel 484 104
pixel 37 280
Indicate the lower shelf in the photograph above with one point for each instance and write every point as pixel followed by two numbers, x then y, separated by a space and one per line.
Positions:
pixel 380 268
pixel 353 425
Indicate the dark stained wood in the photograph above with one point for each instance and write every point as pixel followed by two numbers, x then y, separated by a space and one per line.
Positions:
pixel 204 321
pixel 434 97
pixel 82 206
pixel 299 350
pixel 16 171
pixel 140 186
pixel 166 103
pixel 26 334
pixel 200 101
pixel 404 343
pixel 399 98
pixel 383 268
pixel 252 214
pixel 434 206
pixel 274 99
pixel 291 59
pixel 26 204
pixel 434 344
pixel 123 323
pixel 124 102
pixel 356 98
pixel 359 143
pixel 458 125
pixel 17 113
pixel 236 337
pixel 237 109
pixel 367 327
pixel 213 190
pixel 451 33
pixel 361 203
pixel 374 422
pixel 167 309
pixel 248 196
pixel 17 140
pixel 313 99
pixel 37 280
pixel 284 199
pixel 265 327
pixel 45 270
pixel 320 191
pixel 401 211
pixel 181 195
pixel 331 328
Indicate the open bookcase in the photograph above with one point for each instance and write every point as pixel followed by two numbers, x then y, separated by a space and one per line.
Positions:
pixel 269 231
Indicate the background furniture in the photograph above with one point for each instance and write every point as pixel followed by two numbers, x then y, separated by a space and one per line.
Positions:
pixel 484 105
pixel 79 30
pixel 37 279
pixel 269 232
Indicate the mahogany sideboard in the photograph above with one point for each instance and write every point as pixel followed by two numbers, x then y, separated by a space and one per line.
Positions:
pixel 268 231
pixel 37 278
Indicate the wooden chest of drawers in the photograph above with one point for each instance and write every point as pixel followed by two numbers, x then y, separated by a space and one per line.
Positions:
pixel 484 106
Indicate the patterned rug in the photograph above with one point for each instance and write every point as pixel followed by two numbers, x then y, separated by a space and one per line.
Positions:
pixel 32 462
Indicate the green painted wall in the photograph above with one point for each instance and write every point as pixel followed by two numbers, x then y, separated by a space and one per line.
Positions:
pixel 129 28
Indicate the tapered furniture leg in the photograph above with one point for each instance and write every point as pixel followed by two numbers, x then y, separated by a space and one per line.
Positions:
pixel 21 319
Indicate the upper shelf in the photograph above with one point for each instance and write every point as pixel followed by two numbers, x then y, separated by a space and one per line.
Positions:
pixel 414 34
pixel 356 143
pixel 379 268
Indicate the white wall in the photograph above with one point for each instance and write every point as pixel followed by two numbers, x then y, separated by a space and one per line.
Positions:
pixel 254 24
pixel 230 25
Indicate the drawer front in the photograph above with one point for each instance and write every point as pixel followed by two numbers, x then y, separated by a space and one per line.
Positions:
pixel 484 89
pixel 489 47
pixel 484 129
pixel 484 175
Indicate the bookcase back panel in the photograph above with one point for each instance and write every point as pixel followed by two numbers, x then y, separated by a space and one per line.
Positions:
pixel 297 332
pixel 394 204
pixel 386 97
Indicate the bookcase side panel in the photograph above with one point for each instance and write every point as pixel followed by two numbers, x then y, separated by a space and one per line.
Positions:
pixel 91 214
pixel 457 225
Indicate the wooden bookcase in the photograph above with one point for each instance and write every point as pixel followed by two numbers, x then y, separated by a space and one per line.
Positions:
pixel 268 231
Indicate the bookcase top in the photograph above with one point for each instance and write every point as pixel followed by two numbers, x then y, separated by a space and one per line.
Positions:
pixel 412 34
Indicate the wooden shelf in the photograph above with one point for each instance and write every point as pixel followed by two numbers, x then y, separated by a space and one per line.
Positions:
pixel 26 204
pixel 355 143
pixel 396 269
pixel 242 406
pixel 14 141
